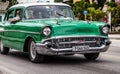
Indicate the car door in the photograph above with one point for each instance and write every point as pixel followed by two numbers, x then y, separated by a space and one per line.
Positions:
pixel 11 34
pixel 5 27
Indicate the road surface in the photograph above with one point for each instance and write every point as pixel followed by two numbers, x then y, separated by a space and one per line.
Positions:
pixel 108 63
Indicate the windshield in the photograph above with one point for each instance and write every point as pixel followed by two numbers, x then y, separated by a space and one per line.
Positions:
pixel 51 11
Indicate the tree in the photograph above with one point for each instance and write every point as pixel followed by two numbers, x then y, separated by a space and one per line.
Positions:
pixel 58 0
pixel 116 16
pixel 79 7
pixel 70 2
pixel 3 0
pixel 12 2
pixel 97 14
pixel 115 12
pixel 94 12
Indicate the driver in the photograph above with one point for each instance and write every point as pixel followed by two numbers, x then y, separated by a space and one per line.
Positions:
pixel 17 18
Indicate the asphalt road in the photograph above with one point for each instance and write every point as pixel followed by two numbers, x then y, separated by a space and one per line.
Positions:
pixel 108 63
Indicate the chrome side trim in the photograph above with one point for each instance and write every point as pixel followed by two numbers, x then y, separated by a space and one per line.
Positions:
pixel 21 31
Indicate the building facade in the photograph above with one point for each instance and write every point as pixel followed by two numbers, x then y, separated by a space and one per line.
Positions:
pixel 3 7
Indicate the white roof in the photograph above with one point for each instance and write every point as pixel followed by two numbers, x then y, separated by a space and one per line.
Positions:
pixel 32 4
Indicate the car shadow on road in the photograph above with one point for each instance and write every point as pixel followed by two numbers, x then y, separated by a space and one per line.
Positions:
pixel 74 59
pixel 19 55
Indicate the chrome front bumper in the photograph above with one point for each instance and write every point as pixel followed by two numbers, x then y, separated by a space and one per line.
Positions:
pixel 43 49
pixel 63 45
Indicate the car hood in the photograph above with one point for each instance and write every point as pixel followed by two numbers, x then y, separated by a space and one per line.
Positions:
pixel 72 27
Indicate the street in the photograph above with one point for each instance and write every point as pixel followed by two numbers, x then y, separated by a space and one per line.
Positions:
pixel 107 63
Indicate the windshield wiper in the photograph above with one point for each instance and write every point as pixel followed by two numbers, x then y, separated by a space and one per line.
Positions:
pixel 60 14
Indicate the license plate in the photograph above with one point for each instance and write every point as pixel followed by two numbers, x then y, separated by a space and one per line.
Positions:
pixel 80 48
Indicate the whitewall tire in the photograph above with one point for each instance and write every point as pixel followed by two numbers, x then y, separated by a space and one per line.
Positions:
pixel 3 50
pixel 33 55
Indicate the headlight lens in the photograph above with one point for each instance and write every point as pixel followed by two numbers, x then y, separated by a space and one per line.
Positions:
pixel 46 31
pixel 105 29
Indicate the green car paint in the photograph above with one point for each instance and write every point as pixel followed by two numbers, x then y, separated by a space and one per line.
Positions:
pixel 17 33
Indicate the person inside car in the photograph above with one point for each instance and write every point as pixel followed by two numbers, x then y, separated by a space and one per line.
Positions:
pixel 17 18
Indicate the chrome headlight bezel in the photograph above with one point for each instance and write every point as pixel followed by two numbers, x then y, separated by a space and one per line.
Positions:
pixel 105 29
pixel 46 31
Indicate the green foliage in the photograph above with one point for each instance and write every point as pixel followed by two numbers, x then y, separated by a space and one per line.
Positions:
pixel 93 10
pixel 94 5
pixel 111 4
pixel 12 2
pixel 97 14
pixel 79 7
pixel 69 3
pixel 116 15
pixel 58 0
pixel 115 12
pixel 3 0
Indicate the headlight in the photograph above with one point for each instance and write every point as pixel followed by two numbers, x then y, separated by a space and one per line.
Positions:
pixel 46 31
pixel 105 29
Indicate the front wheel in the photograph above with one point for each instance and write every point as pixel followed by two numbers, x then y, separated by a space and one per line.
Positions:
pixel 3 50
pixel 33 55
pixel 91 56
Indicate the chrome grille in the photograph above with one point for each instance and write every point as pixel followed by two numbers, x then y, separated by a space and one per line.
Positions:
pixel 69 42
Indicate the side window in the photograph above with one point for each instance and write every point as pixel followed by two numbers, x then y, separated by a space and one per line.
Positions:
pixel 18 13
pixel 29 13
pixel 10 14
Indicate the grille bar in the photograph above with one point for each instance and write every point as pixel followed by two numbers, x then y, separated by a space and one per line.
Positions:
pixel 61 43
pixel 77 42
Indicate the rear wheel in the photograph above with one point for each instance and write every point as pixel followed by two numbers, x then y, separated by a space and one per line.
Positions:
pixel 91 56
pixel 33 55
pixel 3 50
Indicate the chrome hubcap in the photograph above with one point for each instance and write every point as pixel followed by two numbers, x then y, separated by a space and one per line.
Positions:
pixel 1 46
pixel 33 50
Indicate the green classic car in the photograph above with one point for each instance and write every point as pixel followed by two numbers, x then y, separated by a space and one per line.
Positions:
pixel 51 29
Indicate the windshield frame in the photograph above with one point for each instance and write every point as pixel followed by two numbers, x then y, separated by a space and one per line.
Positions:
pixel 69 10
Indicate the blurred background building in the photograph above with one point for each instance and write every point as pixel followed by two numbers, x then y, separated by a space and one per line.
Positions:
pixel 3 7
